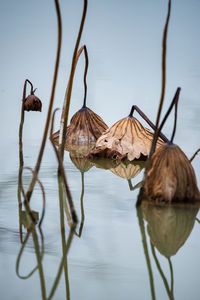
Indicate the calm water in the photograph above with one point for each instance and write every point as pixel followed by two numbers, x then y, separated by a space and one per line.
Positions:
pixel 121 253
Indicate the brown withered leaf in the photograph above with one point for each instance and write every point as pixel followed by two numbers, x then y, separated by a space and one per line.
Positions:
pixel 84 129
pixel 32 103
pixel 171 176
pixel 126 139
pixel 169 226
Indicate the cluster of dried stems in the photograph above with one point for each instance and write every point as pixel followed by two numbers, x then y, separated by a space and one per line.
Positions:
pixel 169 175
pixel 33 103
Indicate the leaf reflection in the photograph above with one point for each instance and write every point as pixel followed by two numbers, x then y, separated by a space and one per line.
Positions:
pixel 168 227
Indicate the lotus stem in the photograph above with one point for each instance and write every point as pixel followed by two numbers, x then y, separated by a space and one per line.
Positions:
pixel 172 276
pixel 164 50
pixel 39 261
pixel 62 171
pixel 85 75
pixel 43 196
pixel 37 167
pixel 82 207
pixel 145 247
pixel 174 102
pixel 67 99
pixel 135 107
pixel 193 156
pixel 161 273
pixel 21 252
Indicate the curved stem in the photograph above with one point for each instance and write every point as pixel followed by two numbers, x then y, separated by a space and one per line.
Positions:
pixel 164 50
pixel 37 167
pixel 70 84
pixel 43 196
pixel 174 102
pixel 85 75
pixel 21 252
pixel 135 107
pixel 82 207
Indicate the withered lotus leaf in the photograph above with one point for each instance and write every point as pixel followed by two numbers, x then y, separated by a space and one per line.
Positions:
pixel 84 129
pixel 127 138
pixel 32 103
pixel 171 176
pixel 169 226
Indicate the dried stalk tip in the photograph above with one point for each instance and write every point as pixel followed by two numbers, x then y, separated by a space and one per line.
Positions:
pixel 32 103
pixel 126 139
pixel 171 177
pixel 84 129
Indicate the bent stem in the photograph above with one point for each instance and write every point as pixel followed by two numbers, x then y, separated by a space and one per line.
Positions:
pixel 67 99
pixel 164 50
pixel 62 122
pixel 21 252
pixel 136 186
pixel 135 107
pixel 174 102
pixel 37 167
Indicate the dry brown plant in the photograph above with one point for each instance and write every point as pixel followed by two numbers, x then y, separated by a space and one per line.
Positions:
pixel 171 176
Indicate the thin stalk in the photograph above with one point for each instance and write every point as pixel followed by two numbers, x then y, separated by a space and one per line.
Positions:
pixel 136 186
pixel 193 156
pixel 37 167
pixel 62 173
pixel 164 51
pixel 21 159
pixel 161 273
pixel 83 48
pixel 174 102
pixel 135 107
pixel 69 241
pixel 145 247
pixel 67 99
pixel 172 276
pixel 43 196
pixel 39 261
pixel 82 207
pixel 21 252
pixel 62 230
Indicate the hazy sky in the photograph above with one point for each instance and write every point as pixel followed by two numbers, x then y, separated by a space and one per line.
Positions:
pixel 123 39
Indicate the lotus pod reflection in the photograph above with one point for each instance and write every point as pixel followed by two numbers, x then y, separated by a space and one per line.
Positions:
pixel 126 139
pixel 81 162
pixel 169 226
pixel 129 170
pixel 171 176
